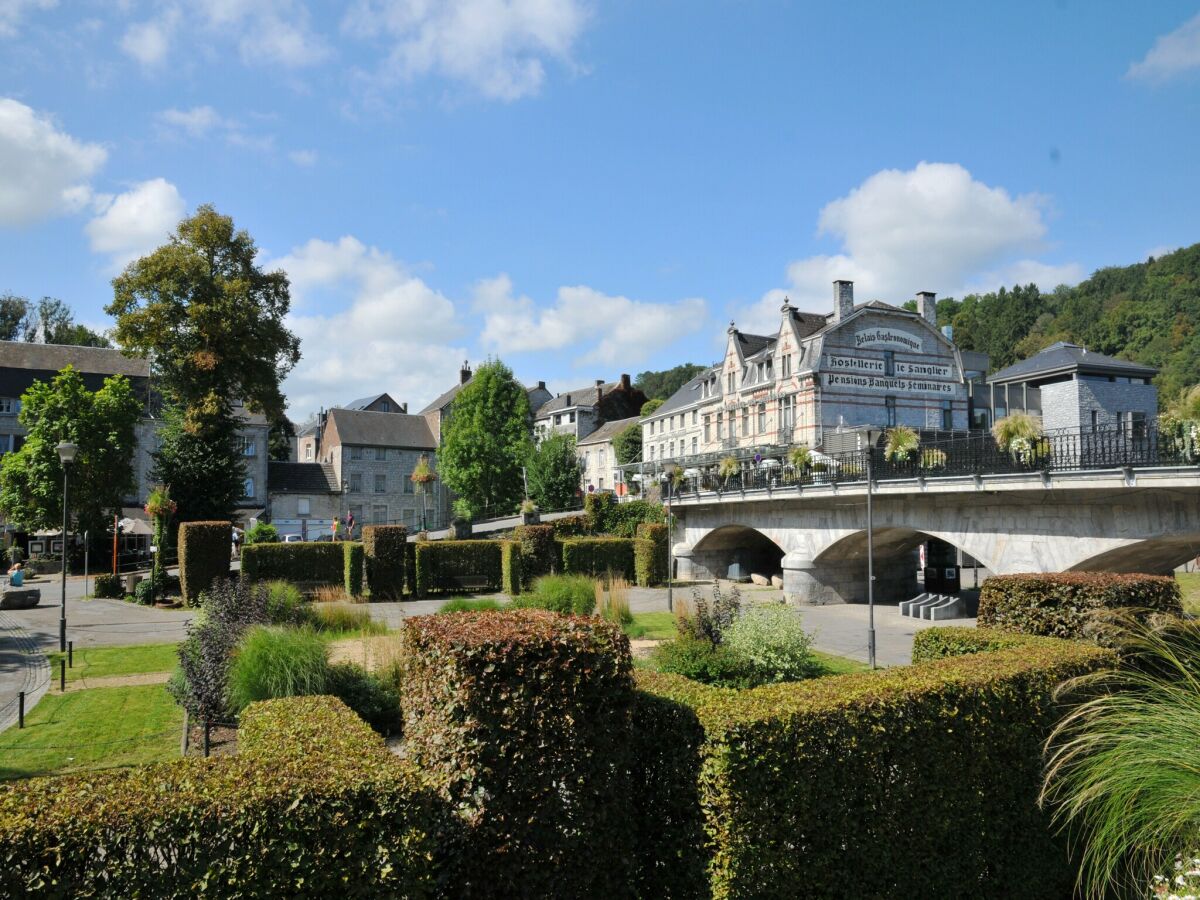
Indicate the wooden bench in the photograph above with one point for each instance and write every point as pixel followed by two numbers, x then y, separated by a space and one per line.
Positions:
pixel 470 582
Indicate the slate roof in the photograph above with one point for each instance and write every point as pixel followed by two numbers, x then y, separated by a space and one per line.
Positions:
pixel 364 402
pixel 379 429
pixel 53 357
pixel 585 396
pixel 608 431
pixel 301 478
pixel 444 400
pixel 687 395
pixel 1065 358
pixel 752 343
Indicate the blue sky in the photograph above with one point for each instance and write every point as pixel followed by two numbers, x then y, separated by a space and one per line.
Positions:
pixel 585 188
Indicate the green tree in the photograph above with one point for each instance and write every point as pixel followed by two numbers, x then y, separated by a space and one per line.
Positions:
pixel 279 439
pixel 650 407
pixel 101 423
pixel 14 317
pixel 214 324
pixel 554 472
pixel 486 441
pixel 661 385
pixel 49 321
pixel 627 445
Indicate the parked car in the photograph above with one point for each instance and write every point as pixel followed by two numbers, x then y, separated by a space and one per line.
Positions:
pixel 293 538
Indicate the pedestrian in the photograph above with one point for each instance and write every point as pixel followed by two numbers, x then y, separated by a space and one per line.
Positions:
pixel 336 523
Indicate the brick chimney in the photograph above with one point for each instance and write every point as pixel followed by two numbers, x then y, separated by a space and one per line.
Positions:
pixel 464 374
pixel 541 385
pixel 404 407
pixel 568 403
pixel 843 300
pixel 599 390
pixel 927 304
pixel 625 383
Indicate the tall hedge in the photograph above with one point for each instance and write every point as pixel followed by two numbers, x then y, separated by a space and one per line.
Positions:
pixel 539 556
pixel 598 556
pixel 440 563
pixel 314 562
pixel 384 546
pixel 204 551
pixel 651 562
pixel 523 717
pixel 512 574
pixel 920 781
pixel 604 515
pixel 1073 604
pixel 352 568
pixel 272 821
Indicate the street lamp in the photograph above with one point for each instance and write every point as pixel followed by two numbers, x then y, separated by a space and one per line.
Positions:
pixel 872 436
pixel 66 455
pixel 670 545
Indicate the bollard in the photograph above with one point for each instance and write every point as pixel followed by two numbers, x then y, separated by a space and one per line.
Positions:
pixel 62 676
pixel 21 710
pixel 207 729
pixel 71 654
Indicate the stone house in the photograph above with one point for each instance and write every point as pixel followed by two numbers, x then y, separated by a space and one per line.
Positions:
pixel 304 498
pixel 598 459
pixel 580 412
pixel 438 412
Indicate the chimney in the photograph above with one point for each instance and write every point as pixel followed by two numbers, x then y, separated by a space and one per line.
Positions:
pixel 927 304
pixel 843 300
pixel 625 385
pixel 568 403
pixel 599 390
pixel 404 407
pixel 541 385
pixel 464 374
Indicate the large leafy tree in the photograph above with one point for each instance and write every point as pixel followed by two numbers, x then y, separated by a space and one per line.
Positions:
pixel 213 323
pixel 554 472
pixel 661 385
pixel 486 441
pixel 627 444
pixel 48 321
pixel 102 423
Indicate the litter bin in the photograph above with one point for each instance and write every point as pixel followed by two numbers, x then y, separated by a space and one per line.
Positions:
pixel 951 579
pixel 933 580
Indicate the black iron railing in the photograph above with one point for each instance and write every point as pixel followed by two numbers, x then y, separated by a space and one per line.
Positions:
pixel 974 453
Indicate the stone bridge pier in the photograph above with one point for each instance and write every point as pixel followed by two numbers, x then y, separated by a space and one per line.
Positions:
pixel 818 541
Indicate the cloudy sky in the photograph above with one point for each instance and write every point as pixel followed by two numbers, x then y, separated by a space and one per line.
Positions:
pixel 582 187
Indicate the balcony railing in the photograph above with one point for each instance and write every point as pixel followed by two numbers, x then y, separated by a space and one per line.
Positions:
pixel 973 453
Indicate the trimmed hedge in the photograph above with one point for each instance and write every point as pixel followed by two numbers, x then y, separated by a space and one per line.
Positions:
pixel 914 782
pixel 204 551
pixel 512 573
pixel 605 515
pixel 386 551
pixel 315 562
pixel 539 555
pixel 1073 604
pixel 410 567
pixel 651 562
pixel 523 716
pixel 570 526
pixel 352 568
pixel 955 640
pixel 439 564
pixel 108 586
pixel 272 821
pixel 598 556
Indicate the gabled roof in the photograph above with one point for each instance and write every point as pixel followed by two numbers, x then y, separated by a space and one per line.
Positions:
pixel 808 323
pixel 688 394
pixel 301 478
pixel 608 431
pixel 752 343
pixel 380 429
pixel 364 402
pixel 585 396
pixel 1065 358
pixel 54 357
pixel 445 399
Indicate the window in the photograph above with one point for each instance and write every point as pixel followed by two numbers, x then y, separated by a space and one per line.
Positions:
pixel 695 416
pixel 720 426
pixel 409 487
pixel 787 413
pixel 730 378
pixel 356 510
pixel 602 459
pixel 733 425
pixel 248 488
pixel 652 448
pixel 304 506
pixel 571 416
pixel 1137 429
pixel 1095 420
pixel 380 483
pixel 558 418
pixel 308 451
pixel 947 416
pixel 762 418
pixel 889 363
pixel 384 406
pixel 6 443
pixel 247 446
pixel 356 483
pixel 707 429
pixel 672 456
pixel 786 364
pixel 746 420
pixel 9 406
pixel 379 514
pixel 770 370
pixel 356 452
pixel 889 404
pixel 695 449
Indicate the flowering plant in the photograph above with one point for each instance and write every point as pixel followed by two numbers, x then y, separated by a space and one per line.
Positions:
pixel 159 504
pixel 1183 883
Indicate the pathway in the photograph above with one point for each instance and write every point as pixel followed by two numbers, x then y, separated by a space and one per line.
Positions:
pixel 23 667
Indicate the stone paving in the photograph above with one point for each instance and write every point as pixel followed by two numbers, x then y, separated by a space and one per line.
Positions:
pixel 23 667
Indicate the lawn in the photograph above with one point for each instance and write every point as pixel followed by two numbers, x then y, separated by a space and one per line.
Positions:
pixel 92 729
pixel 1189 585
pixel 103 662
pixel 652 626
pixel 838 665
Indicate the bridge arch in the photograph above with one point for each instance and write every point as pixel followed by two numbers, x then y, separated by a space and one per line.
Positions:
pixel 1159 555
pixel 752 550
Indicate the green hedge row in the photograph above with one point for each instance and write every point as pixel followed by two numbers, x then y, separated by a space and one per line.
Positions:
pixel 441 564
pixel 512 572
pixel 313 805
pixel 915 782
pixel 385 548
pixel 204 551
pixel 539 553
pixel 523 716
pixel 947 641
pixel 1073 604
pixel 604 515
pixel 598 556
pixel 352 568
pixel 651 554
pixel 316 562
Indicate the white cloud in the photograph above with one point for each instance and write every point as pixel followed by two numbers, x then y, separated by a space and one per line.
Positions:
pixel 196 122
pixel 43 171
pixel 135 222
pixel 1172 54
pixel 13 11
pixel 606 329
pixel 392 331
pixel 305 159
pixel 149 42
pixel 497 46
pixel 933 227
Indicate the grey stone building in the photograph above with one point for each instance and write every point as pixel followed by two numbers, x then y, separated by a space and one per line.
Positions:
pixel 1070 387
pixel 438 412
pixel 581 411
pixel 304 498
pixel 598 459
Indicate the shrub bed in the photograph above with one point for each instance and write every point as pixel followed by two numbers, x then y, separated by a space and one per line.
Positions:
pixel 598 557
pixel 204 551
pixel 953 640
pixel 385 548
pixel 512 575
pixel 652 561
pixel 315 562
pixel 108 586
pixel 1073 604
pixel 353 559
pixel 523 716
pixel 441 564
pixel 539 556
pixel 271 821
pixel 914 782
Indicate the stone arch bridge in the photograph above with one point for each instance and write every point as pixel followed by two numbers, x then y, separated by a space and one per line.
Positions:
pixel 1122 520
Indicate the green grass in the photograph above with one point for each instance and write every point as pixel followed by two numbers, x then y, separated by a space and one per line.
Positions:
pixel 92 729
pixel 1189 585
pixel 652 626
pixel 103 662
pixel 838 665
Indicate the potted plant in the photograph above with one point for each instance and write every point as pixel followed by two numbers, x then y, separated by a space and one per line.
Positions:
pixel 726 469
pixel 799 461
pixel 460 525
pixel 820 472
pixel 902 444
pixel 1020 435
pixel 933 459
pixel 530 515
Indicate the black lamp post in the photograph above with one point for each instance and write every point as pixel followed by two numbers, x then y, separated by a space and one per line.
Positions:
pixel 66 455
pixel 872 436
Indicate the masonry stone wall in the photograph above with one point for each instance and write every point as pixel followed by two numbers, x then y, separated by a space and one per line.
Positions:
pixel 401 502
